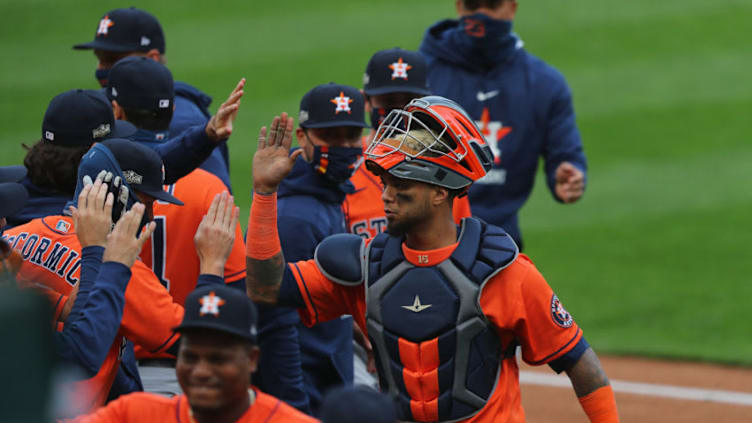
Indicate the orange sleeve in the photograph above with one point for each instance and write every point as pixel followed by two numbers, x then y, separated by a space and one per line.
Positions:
pixel 518 300
pixel 235 265
pixel 461 209
pixel 150 313
pixel 326 300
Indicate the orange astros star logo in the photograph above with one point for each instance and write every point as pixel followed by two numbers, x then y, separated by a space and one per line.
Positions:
pixel 104 25
pixel 210 304
pixel 399 69
pixel 342 102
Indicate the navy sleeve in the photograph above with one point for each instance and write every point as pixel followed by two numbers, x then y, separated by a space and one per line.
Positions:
pixel 289 294
pixel 91 260
pixel 566 361
pixel 562 139
pixel 88 336
pixel 208 280
pixel 184 153
pixel 127 379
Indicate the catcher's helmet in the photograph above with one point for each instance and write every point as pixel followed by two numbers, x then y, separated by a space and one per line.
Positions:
pixel 431 140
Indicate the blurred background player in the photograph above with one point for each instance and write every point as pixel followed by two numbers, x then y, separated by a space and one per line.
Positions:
pixel 331 122
pixel 522 105
pixel 216 358
pixel 13 195
pixel 76 119
pixel 444 307
pixel 137 83
pixel 135 32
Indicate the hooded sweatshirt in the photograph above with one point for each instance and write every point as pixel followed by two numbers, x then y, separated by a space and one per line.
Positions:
pixel 522 105
pixel 309 208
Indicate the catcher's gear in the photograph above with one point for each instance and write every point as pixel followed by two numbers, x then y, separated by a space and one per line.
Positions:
pixel 431 140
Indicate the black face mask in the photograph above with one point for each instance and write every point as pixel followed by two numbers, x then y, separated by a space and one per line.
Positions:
pixel 337 164
pixel 102 75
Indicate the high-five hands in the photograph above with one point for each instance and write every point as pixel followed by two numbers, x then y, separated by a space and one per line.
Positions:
pixel 272 160
pixel 124 243
pixel 215 235
pixel 219 126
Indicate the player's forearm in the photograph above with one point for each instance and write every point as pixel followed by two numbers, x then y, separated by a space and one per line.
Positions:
pixel 264 260
pixel 593 390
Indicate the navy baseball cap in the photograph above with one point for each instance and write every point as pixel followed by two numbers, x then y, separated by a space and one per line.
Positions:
pixel 142 83
pixel 331 105
pixel 12 173
pixel 126 30
pixel 82 117
pixel 142 168
pixel 13 197
pixel 396 71
pixel 220 308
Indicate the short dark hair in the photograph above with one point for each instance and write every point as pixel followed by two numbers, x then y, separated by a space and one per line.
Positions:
pixel 477 4
pixel 152 120
pixel 53 166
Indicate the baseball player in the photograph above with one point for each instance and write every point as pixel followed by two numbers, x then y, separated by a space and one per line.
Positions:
pixel 217 355
pixel 52 253
pixel 76 119
pixel 522 105
pixel 444 306
pixel 392 78
pixel 143 84
pixel 135 32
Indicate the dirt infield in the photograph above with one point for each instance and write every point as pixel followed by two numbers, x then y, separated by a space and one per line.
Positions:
pixel 725 389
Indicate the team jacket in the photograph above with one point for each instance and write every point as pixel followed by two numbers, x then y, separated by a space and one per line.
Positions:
pixel 180 156
pixel 309 210
pixel 433 316
pixel 523 107
pixel 191 109
pixel 151 408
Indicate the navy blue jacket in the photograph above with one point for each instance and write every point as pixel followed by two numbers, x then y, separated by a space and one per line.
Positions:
pixel 309 208
pixel 180 155
pixel 528 114
pixel 191 109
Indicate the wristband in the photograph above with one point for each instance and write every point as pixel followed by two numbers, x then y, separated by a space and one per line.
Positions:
pixel 600 405
pixel 263 240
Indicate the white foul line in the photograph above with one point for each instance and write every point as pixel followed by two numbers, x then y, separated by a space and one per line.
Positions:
pixel 651 389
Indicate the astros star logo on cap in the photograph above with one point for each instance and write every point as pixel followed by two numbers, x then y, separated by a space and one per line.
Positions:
pixel 104 25
pixel 210 304
pixel 400 69
pixel 342 102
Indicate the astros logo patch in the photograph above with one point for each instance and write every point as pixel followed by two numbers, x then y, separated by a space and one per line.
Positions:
pixel 342 102
pixel 399 69
pixel 210 304
pixel 104 25
pixel 560 315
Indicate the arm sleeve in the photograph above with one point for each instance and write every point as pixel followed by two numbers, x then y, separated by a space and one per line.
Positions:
pixel 184 153
pixel 91 260
pixel 150 312
pixel 562 138
pixel 89 334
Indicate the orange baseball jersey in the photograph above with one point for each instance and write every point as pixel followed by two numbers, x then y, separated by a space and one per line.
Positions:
pixel 151 408
pixel 517 301
pixel 52 258
pixel 170 252
pixel 364 209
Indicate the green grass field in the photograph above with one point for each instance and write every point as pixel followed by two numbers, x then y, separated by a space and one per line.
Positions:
pixel 655 260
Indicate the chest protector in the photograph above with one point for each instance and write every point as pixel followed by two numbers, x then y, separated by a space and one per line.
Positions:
pixel 437 354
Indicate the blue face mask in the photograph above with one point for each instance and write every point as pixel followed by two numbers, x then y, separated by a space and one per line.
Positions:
pixel 337 164
pixel 102 75
pixel 487 39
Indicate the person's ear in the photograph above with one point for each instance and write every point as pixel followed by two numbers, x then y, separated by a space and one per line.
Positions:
pixel 155 55
pixel 118 111
pixel 254 353
pixel 305 144
pixel 367 102
pixel 439 195
pixel 459 7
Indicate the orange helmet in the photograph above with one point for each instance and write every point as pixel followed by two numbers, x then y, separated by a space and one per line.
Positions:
pixel 431 140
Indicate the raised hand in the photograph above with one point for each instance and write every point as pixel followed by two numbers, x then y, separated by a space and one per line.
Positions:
pixel 219 126
pixel 93 216
pixel 570 182
pixel 272 160
pixel 215 235
pixel 125 243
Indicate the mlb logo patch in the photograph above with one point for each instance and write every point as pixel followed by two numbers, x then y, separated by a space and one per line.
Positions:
pixel 145 41
pixel 49 135
pixel 114 92
pixel 342 102
pixel 62 226
pixel 399 69
pixel 303 116
pixel 164 103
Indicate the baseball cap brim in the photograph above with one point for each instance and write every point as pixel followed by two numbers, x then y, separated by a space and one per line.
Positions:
pixel 396 89
pixel 162 196
pixel 205 324
pixel 12 173
pixel 106 46
pixel 13 197
pixel 122 129
pixel 332 124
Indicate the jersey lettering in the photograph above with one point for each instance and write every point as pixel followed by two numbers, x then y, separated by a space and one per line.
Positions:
pixel 35 248
pixel 20 236
pixel 61 270
pixel 29 246
pixel 159 250
pixel 53 258
pixel 364 228
pixel 44 244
